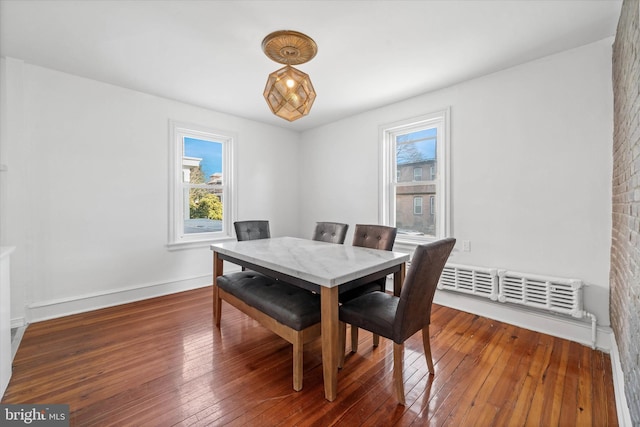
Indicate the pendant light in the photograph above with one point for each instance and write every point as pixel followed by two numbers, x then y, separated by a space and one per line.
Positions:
pixel 289 92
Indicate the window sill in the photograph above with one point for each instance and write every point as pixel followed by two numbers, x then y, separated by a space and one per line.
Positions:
pixel 178 246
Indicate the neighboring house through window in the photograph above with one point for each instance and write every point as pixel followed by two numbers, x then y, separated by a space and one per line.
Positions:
pixel 201 190
pixel 410 147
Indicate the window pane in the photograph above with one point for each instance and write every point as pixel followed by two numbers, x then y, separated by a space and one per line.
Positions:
pixel 411 218
pixel 416 152
pixel 203 185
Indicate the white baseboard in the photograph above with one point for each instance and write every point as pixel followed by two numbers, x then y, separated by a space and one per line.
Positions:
pixel 622 407
pixel 18 322
pixel 15 341
pixel 44 310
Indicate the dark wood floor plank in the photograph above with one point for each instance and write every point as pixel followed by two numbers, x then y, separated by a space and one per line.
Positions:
pixel 547 399
pixel 480 405
pixel 603 406
pixel 447 345
pixel 512 380
pixel 161 362
pixel 469 376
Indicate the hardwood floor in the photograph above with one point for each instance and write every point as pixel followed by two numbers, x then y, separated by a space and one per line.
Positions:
pixel 160 362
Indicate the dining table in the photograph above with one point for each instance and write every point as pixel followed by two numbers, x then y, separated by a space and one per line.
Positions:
pixel 325 268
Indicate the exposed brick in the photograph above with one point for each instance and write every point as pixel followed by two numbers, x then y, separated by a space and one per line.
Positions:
pixel 625 239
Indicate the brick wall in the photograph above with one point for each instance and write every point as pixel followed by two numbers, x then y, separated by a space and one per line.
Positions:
pixel 625 244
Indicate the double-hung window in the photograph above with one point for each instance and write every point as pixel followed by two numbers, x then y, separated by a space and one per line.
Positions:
pixel 410 146
pixel 201 185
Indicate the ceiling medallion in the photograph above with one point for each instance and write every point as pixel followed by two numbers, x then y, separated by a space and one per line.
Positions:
pixel 289 92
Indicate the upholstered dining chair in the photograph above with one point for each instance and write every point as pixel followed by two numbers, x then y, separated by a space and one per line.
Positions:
pixel 252 230
pixel 398 318
pixel 332 232
pixel 375 237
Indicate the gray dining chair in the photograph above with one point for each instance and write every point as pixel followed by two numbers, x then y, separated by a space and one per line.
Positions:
pixel 371 236
pixel 252 230
pixel 331 232
pixel 399 317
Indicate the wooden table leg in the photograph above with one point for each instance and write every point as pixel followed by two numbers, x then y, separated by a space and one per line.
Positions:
pixel 217 302
pixel 330 329
pixel 398 279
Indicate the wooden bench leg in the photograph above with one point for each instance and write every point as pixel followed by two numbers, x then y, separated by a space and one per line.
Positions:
pixel 342 343
pixel 297 361
pixel 217 306
pixel 218 270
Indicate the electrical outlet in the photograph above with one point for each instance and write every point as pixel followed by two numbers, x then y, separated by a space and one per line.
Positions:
pixel 466 246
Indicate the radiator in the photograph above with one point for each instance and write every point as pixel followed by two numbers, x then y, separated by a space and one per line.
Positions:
pixel 470 280
pixel 558 295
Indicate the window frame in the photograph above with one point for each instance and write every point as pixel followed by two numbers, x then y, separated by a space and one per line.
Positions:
pixel 178 239
pixel 388 172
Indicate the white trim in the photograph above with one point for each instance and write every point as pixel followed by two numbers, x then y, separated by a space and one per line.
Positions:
pixel 177 130
pixel 17 339
pixel 622 407
pixel 51 309
pixel 386 206
pixel 18 322
pixel 197 244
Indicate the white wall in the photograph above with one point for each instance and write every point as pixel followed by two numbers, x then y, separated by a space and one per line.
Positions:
pixel 87 199
pixel 531 169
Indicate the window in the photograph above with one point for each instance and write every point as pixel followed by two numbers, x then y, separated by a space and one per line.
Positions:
pixel 417 174
pixel 417 205
pixel 201 190
pixel 408 148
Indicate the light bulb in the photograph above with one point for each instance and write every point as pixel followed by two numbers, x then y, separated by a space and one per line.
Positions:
pixel 290 83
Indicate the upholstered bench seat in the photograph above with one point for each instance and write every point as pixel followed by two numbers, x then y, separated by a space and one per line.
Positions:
pixel 288 311
pixel 292 306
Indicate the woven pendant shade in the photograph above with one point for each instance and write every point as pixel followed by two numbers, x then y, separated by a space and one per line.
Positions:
pixel 289 92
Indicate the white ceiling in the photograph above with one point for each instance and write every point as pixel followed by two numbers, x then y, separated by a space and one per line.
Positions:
pixel 370 53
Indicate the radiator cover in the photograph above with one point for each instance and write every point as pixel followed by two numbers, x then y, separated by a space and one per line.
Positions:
pixel 550 293
pixel 470 280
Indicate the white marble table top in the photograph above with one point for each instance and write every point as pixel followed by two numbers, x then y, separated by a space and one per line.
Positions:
pixel 325 264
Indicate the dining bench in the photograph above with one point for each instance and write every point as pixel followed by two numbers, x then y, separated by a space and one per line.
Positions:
pixel 291 312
